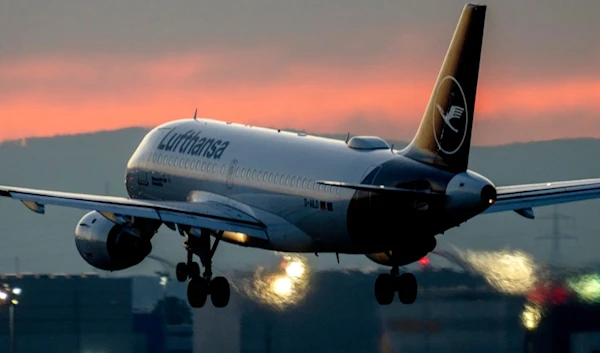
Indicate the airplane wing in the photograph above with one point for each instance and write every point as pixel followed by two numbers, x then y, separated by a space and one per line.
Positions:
pixel 522 198
pixel 422 193
pixel 204 214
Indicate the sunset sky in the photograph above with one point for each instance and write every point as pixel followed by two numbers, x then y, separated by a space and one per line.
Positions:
pixel 325 66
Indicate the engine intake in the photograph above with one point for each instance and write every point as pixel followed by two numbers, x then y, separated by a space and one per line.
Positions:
pixel 110 246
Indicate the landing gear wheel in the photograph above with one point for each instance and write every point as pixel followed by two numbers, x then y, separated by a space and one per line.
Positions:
pixel 407 288
pixel 384 289
pixel 197 292
pixel 194 270
pixel 181 271
pixel 219 292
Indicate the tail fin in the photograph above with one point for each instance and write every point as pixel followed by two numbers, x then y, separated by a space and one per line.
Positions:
pixel 444 136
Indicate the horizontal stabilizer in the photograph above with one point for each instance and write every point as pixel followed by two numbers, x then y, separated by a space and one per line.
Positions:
pixel 522 198
pixel 385 189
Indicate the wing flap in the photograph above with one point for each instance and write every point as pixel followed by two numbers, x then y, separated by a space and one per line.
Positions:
pixel 208 214
pixel 527 196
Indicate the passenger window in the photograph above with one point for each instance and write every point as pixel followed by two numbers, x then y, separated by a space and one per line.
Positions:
pixel 293 180
pixel 208 167
pixel 223 169
pixel 265 176
pixel 197 165
pixel 310 184
pixel 203 168
pixel 237 172
pixel 253 174
pixel 181 163
pixel 243 172
pixel 277 179
pixel 175 161
pixel 287 180
pixel 214 168
pixel 248 172
pixel 304 183
pixel 337 190
pixel 271 177
pixel 187 164
pixel 259 175
pixel 298 182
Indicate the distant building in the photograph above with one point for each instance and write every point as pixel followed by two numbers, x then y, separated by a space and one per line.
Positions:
pixel 69 314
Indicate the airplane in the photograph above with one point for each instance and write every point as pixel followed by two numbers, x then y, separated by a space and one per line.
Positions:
pixel 214 181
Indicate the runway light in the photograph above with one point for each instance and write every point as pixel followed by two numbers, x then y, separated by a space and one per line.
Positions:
pixel 17 291
pixel 531 316
pixel 587 287
pixel 509 271
pixel 3 295
pixel 282 286
pixel 14 302
pixel 295 269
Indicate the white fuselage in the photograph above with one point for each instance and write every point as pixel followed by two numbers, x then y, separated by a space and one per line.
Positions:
pixel 271 171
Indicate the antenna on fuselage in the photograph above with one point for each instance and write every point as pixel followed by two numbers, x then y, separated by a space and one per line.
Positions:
pixel 347 137
pixel 195 113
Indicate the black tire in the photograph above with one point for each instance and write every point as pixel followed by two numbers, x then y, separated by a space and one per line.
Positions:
pixel 194 270
pixel 219 292
pixel 384 289
pixel 197 292
pixel 407 288
pixel 181 271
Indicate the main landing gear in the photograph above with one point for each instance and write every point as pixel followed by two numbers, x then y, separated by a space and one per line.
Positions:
pixel 387 285
pixel 202 286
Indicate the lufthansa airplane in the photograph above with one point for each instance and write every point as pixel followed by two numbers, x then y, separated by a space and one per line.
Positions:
pixel 215 181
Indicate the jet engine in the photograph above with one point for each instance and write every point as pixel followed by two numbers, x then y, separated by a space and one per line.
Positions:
pixel 112 246
pixel 405 255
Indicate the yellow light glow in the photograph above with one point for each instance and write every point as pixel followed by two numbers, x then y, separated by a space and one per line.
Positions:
pixel 282 286
pixel 295 269
pixel 279 287
pixel 14 302
pixel 509 271
pixel 531 316
pixel 235 237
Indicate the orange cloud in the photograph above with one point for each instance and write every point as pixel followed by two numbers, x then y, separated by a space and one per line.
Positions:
pixel 46 97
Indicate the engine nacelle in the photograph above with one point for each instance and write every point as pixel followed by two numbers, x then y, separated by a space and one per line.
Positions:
pixel 408 254
pixel 110 246
pixel 468 194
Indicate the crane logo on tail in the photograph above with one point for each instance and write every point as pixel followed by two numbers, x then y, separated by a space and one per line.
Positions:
pixel 450 127
pixel 454 113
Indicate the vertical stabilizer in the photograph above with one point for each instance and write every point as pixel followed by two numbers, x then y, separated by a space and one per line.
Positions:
pixel 444 136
